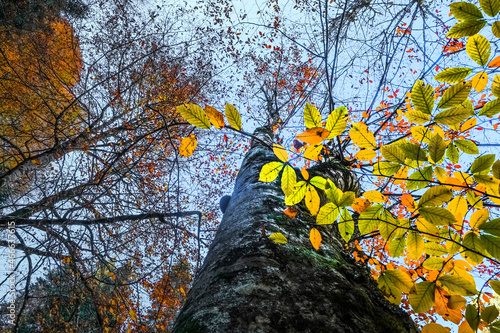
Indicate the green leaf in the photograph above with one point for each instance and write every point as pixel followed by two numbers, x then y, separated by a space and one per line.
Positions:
pixel 478 48
pixel 495 285
pixel 419 179
pixel 346 199
pixel 318 181
pixel 328 214
pixel 399 279
pixel 457 285
pixel 369 219
pixel 423 299
pixel 490 7
pixel 270 171
pixel 422 97
pixel 387 225
pixel 490 109
pixel 417 117
pixel 453 75
pixel 415 244
pixel 437 215
pixel 336 122
pixel 495 28
pixel 288 180
pixel 437 148
pixel 194 115
pixel 233 116
pixel 472 242
pixel 433 263
pixel 278 237
pixel 452 116
pixel 385 169
pixel 397 246
pixel 413 151
pixel 393 154
pixel 472 316
pixel 434 249
pixel 346 225
pixel 312 117
pixel 482 163
pixel 495 170
pixel 464 11
pixel 467 146
pixel 452 153
pixel 489 314
pixel 491 244
pixel 299 191
pixel 455 95
pixel 491 227
pixel 466 28
pixel 435 196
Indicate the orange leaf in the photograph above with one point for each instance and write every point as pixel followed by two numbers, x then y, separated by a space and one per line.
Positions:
pixel 315 238
pixel 360 205
pixel 495 62
pixel 215 117
pixel 188 145
pixel 291 212
pixel 304 173
pixel 313 135
pixel 408 202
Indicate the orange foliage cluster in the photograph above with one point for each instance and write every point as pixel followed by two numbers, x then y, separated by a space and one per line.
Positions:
pixel 37 71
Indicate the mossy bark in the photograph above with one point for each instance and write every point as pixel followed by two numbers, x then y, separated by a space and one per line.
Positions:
pixel 250 284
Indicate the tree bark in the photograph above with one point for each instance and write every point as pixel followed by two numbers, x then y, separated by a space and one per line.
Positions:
pixel 251 284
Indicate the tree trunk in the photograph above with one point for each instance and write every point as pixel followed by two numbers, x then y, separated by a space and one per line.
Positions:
pixel 251 284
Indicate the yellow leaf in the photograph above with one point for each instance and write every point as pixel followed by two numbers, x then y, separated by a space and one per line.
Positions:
pixel 270 171
pixel 313 135
pixel 458 207
pixel 194 115
pixel 132 314
pixel 479 81
pixel 479 217
pixel 312 152
pixel 328 214
pixel 312 117
pixel 421 133
pixel 297 195
pixel 188 145
pixel 415 244
pixel 278 237
pixel 456 302
pixel 463 177
pixel 336 122
pixel 288 180
pixel 216 118
pixel 233 116
pixel 374 196
pixel 315 238
pixel 434 328
pixel 361 136
pixel 280 152
pixel 312 200
pixel 365 155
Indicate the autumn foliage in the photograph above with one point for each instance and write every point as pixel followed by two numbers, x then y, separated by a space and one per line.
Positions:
pixel 430 228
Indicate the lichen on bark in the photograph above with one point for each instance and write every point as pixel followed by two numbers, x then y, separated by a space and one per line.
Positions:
pixel 251 284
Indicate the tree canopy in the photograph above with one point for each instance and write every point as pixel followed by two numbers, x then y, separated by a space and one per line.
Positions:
pixel 102 168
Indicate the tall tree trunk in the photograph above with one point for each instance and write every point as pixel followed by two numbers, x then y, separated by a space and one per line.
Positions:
pixel 251 284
